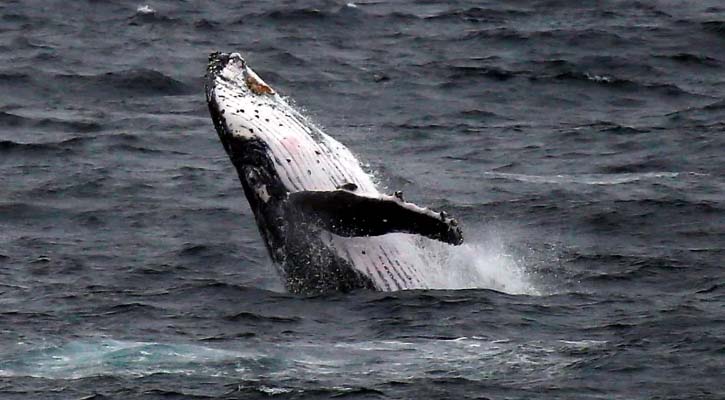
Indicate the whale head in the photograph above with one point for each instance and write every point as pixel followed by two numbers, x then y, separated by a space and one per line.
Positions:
pixel 232 87
pixel 235 96
pixel 264 135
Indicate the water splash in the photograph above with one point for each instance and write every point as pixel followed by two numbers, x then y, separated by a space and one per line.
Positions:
pixel 483 262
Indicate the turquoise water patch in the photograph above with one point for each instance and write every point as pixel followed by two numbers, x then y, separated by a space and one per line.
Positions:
pixel 79 359
pixel 351 363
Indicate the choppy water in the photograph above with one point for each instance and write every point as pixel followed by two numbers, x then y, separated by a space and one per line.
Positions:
pixel 579 143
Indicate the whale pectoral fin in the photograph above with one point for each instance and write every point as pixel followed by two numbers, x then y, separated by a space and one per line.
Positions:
pixel 348 214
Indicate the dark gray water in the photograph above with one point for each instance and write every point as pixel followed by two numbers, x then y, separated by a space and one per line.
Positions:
pixel 579 143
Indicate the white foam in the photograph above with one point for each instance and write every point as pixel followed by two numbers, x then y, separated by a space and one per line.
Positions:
pixel 598 78
pixel 78 359
pixel 145 10
pixel 360 362
pixel 585 179
pixel 477 264
pixel 273 391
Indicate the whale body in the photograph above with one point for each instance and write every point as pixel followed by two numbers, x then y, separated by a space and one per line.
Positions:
pixel 324 222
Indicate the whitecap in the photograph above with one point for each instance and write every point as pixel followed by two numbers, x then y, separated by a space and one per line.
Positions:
pixel 145 10
pixel 598 78
pixel 585 179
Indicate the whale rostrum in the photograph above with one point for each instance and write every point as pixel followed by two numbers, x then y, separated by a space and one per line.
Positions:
pixel 324 222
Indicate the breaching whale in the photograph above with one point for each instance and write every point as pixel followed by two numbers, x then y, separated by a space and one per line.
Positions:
pixel 324 222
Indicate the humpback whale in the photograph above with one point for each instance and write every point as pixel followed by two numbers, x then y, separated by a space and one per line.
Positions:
pixel 324 223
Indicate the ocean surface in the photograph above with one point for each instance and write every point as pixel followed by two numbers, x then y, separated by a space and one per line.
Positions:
pixel 581 144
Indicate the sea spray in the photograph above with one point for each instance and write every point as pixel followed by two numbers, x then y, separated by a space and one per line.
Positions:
pixel 483 262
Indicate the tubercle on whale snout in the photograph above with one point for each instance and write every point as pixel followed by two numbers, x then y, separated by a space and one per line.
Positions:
pixel 217 61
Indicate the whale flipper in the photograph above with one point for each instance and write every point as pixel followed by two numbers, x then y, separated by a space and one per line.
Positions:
pixel 349 214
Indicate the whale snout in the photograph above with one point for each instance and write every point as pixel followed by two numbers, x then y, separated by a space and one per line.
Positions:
pixel 219 61
pixel 232 68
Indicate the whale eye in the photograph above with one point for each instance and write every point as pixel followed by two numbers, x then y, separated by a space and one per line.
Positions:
pixel 252 177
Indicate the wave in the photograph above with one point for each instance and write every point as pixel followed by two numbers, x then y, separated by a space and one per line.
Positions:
pixel 692 59
pixel 77 186
pixel 708 117
pixel 677 206
pixel 12 17
pixel 558 66
pixel 584 133
pixel 24 211
pixel 147 81
pixel 479 115
pixel 251 317
pixel 129 308
pixel 211 287
pixel 475 15
pixel 14 120
pixel 464 72
pixel 283 57
pixel 146 14
pixel 194 250
pixel 304 14
pixel 716 27
pixel 14 77
pixel 119 141
pixel 585 179
pixel 478 15
pixel 614 128
pixel 128 148
pixel 498 34
pixel 651 165
pixel 8 147
pixel 717 288
pixel 137 81
pixel 715 106
pixel 629 85
pixel 569 37
pixel 620 74
pixel 620 267
pixel 206 25
pixel 331 11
